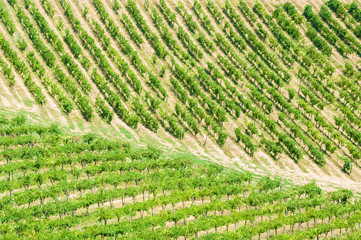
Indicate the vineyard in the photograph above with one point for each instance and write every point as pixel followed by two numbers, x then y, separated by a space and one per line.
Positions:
pixel 58 186
pixel 249 85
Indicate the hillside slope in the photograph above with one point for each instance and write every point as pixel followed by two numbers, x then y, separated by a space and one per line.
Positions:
pixel 270 89
pixel 60 186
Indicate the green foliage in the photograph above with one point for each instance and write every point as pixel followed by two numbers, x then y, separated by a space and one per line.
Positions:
pixel 272 147
pixel 116 5
pixel 105 112
pixel 18 121
pixel 48 8
pixel 347 166
pixel 341 195
pixel 22 45
pixel 246 140
pixel 252 129
pixel 124 190
pixel 222 137
pixel 206 67
pixel 291 93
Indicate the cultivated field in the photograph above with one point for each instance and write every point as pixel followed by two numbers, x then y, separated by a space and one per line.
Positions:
pixel 56 186
pixel 266 88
